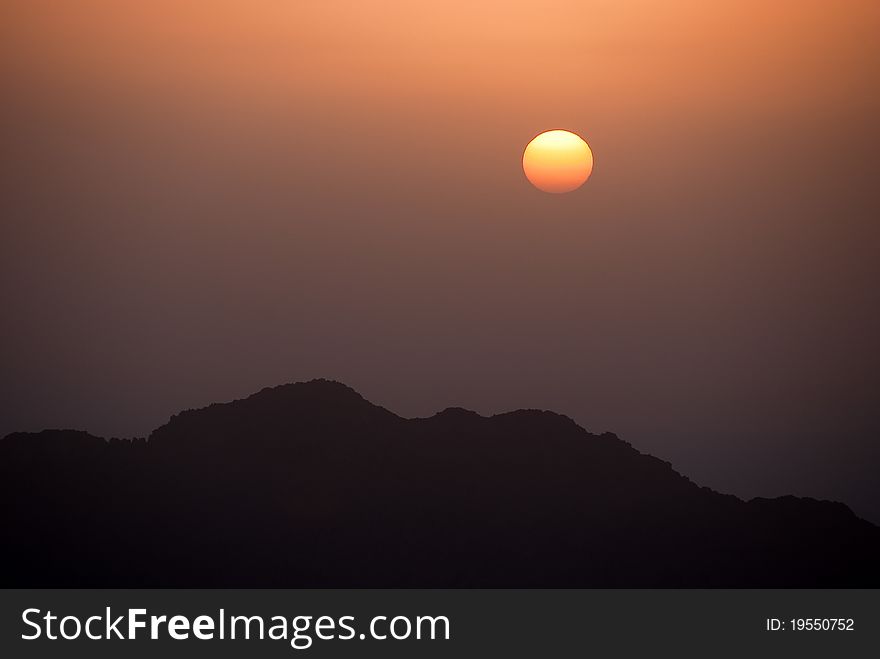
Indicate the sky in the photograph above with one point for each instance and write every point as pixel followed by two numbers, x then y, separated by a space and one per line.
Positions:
pixel 201 199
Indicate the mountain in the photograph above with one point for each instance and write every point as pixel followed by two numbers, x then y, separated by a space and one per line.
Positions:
pixel 310 485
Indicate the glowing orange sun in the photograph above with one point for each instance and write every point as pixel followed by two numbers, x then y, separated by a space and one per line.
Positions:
pixel 557 161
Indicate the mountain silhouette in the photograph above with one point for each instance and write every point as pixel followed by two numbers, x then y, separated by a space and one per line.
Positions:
pixel 310 485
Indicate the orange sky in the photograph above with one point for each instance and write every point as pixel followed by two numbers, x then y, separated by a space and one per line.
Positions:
pixel 649 76
pixel 679 55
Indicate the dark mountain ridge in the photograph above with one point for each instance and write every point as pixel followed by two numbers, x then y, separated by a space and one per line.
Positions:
pixel 309 484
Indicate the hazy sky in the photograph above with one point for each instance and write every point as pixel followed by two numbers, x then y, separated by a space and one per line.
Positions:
pixel 200 199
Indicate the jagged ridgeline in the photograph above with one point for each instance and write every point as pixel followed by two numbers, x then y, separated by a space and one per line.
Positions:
pixel 311 485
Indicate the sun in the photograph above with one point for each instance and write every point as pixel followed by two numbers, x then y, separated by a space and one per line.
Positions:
pixel 557 161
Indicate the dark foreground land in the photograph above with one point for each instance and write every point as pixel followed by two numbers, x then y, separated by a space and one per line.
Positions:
pixel 311 485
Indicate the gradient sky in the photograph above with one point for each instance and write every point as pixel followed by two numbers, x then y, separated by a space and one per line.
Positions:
pixel 200 199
